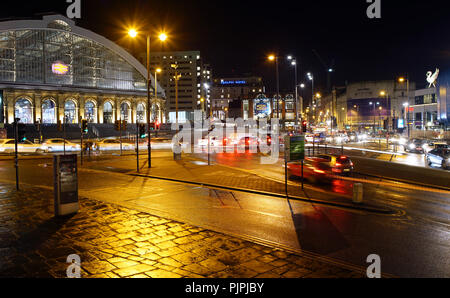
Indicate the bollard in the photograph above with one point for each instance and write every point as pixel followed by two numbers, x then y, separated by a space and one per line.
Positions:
pixel 357 193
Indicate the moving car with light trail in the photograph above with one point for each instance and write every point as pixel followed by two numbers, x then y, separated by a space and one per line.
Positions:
pixel 439 157
pixel 415 145
pixel 340 165
pixel 111 144
pixel 25 146
pixel 54 145
pixel 314 170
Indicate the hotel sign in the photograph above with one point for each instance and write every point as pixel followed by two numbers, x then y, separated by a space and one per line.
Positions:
pixel 222 82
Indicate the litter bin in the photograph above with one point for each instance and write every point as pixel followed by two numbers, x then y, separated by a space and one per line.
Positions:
pixel 357 193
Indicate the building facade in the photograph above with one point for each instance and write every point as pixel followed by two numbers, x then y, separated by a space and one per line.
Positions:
pixel 191 85
pixel 232 96
pixel 52 70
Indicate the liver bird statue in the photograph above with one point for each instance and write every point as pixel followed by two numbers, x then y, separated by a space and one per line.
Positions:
pixel 432 77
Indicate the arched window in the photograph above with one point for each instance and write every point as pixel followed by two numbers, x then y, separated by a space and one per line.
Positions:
pixel 23 111
pixel 70 111
pixel 48 111
pixel 140 113
pixel 107 112
pixel 90 112
pixel 124 111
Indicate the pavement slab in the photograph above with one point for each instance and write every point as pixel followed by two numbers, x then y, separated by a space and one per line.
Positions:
pixel 111 244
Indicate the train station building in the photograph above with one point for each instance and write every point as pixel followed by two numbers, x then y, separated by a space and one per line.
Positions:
pixel 51 69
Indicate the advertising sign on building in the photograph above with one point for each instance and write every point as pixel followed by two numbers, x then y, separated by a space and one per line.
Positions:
pixel 262 107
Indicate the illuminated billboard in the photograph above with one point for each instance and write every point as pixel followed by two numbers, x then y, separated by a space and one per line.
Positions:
pixel 262 107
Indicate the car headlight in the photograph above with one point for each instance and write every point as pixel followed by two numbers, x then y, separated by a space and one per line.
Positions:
pixel 412 146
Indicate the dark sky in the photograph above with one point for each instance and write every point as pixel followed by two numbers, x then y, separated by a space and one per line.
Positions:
pixel 236 36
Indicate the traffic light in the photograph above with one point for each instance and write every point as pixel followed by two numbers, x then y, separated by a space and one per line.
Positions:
pixel 117 125
pixel 38 125
pixel 142 131
pixel 84 126
pixel 157 125
pixel 60 128
pixel 123 125
pixel 152 126
pixel 21 132
pixel 304 126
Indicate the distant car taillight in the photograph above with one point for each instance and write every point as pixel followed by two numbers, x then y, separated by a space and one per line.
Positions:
pixel 319 171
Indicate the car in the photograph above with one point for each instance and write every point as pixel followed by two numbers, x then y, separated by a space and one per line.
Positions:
pixel 440 157
pixel 24 146
pixel 112 144
pixel 248 143
pixel 341 165
pixel 415 145
pixel 314 170
pixel 53 145
pixel 430 145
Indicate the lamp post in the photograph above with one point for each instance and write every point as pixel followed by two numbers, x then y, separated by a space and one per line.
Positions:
pixel 162 37
pixel 374 114
pixel 275 58
pixel 176 78
pixel 311 78
pixel 402 80
pixel 294 63
pixel 158 70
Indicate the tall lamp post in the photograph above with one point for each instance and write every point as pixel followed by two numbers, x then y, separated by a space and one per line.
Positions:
pixel 275 58
pixel 402 80
pixel 176 78
pixel 162 37
pixel 374 114
pixel 294 63
pixel 311 78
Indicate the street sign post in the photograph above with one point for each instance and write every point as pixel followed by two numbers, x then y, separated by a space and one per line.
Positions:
pixel 65 179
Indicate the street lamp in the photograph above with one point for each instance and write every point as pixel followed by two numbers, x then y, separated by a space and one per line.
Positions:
pixel 176 78
pixel 162 37
pixel 275 58
pixel 374 113
pixel 294 63
pixel 402 80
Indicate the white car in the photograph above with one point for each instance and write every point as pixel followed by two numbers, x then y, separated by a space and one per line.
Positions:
pixel 53 145
pixel 111 144
pixel 25 146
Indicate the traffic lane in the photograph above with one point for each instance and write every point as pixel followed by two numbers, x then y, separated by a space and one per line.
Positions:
pixel 326 231
pixel 419 202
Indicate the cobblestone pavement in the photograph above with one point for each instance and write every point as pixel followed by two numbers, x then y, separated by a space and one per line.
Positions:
pixel 114 241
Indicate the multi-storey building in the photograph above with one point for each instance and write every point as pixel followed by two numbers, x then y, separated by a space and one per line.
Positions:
pixel 191 84
pixel 230 96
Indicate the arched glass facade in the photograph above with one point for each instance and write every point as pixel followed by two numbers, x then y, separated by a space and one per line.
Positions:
pixel 23 111
pixel 59 57
pixel 90 113
pixel 107 112
pixel 70 111
pixel 48 112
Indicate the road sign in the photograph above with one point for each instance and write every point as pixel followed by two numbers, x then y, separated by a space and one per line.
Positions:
pixel 65 184
pixel 295 147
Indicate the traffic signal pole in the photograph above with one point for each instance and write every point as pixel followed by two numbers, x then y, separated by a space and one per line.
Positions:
pixel 137 146
pixel 16 158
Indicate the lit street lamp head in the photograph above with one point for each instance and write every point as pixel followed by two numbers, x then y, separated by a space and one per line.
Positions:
pixel 132 33
pixel 162 36
pixel 271 57
pixel 158 70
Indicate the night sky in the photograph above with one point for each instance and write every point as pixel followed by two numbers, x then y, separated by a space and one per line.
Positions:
pixel 236 36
